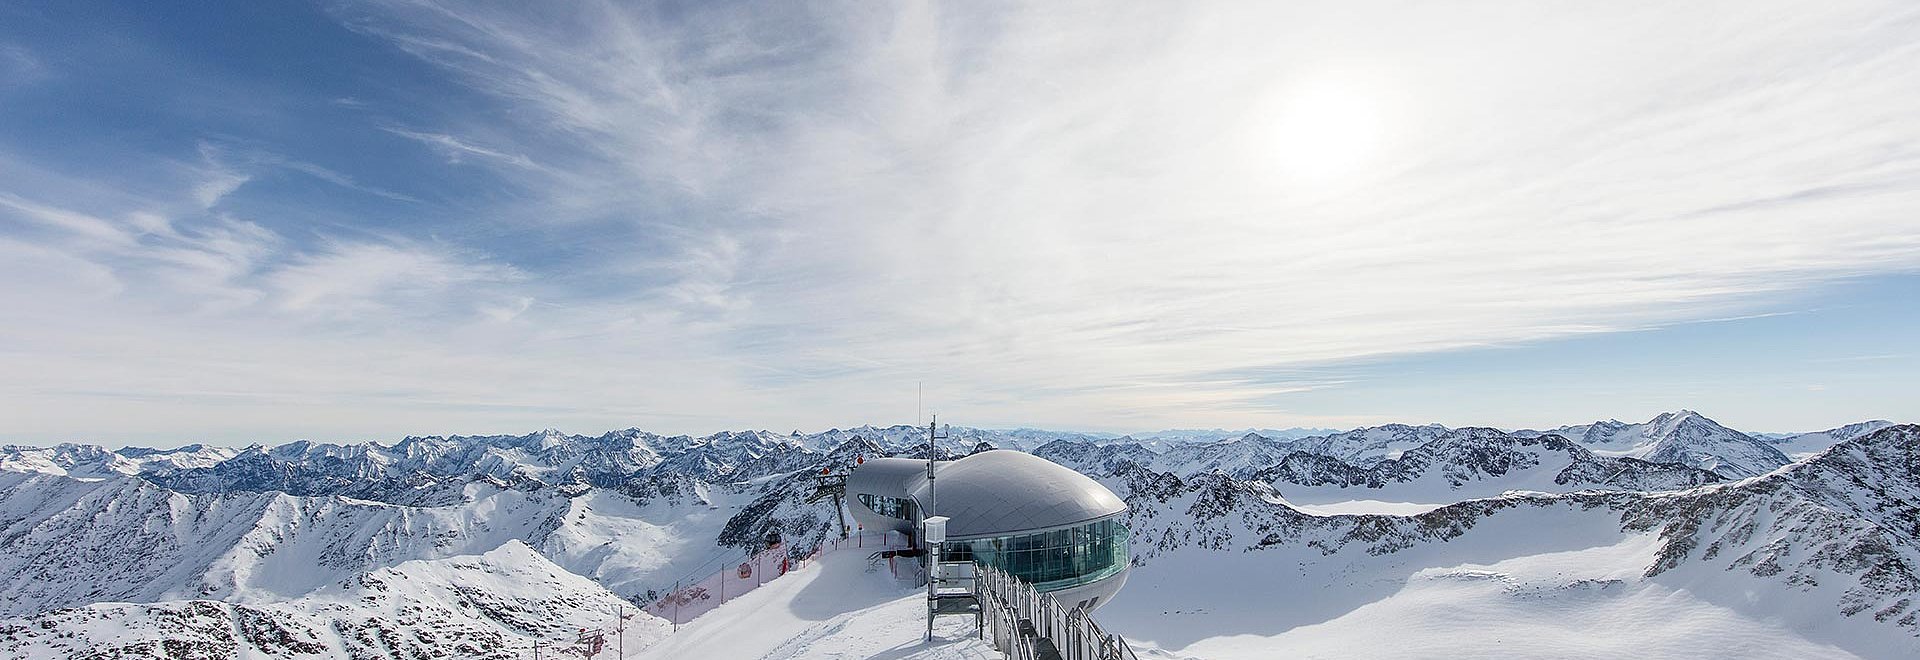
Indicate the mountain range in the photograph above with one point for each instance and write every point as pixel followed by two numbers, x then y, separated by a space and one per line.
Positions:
pixel 365 550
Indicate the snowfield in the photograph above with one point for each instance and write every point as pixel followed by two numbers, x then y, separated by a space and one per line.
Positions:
pixel 1535 585
pixel 828 610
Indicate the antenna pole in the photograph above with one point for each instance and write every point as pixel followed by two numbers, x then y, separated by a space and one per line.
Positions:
pixel 930 448
pixel 620 624
pixel 932 527
pixel 933 434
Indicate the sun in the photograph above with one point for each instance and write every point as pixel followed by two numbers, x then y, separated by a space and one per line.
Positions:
pixel 1324 130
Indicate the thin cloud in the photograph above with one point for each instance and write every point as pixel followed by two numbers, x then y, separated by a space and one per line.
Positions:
pixel 345 279
pixel 19 67
pixel 1881 357
pixel 344 181
pixel 457 149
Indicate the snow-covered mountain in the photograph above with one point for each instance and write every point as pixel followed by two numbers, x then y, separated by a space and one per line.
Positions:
pixel 1684 437
pixel 1455 464
pixel 1802 445
pixel 66 542
pixel 232 562
pixel 1464 464
pixel 1366 446
pixel 1216 435
pixel 492 605
pixel 1098 459
pixel 1241 457
pixel 431 470
pixel 66 459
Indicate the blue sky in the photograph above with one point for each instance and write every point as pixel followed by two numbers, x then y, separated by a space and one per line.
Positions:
pixel 240 222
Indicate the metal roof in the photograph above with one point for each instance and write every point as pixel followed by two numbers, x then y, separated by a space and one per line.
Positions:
pixel 999 492
pixel 891 477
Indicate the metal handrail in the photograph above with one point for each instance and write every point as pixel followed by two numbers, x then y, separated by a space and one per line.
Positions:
pixel 1024 623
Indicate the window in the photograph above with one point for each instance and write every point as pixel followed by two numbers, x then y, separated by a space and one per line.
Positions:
pixel 892 507
pixel 1051 560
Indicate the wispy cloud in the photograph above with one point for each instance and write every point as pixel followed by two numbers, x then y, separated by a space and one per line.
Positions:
pixel 226 167
pixel 1001 197
pixel 347 279
pixel 217 180
pixel 457 149
pixel 19 66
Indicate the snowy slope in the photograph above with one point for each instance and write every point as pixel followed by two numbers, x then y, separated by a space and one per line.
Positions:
pixel 492 605
pixel 831 609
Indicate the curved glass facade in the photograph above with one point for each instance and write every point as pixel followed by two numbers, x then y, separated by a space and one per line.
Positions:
pixel 1051 560
pixel 891 507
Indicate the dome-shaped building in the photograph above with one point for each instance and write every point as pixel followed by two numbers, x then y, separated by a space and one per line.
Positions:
pixel 1044 523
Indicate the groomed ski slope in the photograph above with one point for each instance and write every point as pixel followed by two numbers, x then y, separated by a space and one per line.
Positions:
pixel 832 609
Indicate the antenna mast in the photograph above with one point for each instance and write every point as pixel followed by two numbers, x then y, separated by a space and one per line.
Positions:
pixel 933 529
pixel 932 435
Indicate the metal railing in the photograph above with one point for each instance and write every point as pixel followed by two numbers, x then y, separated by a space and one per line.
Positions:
pixel 1026 624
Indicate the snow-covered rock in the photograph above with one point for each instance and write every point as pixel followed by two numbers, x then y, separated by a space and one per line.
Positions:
pixel 1096 459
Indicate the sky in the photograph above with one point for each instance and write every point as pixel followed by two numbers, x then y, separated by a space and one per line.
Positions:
pixel 241 222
